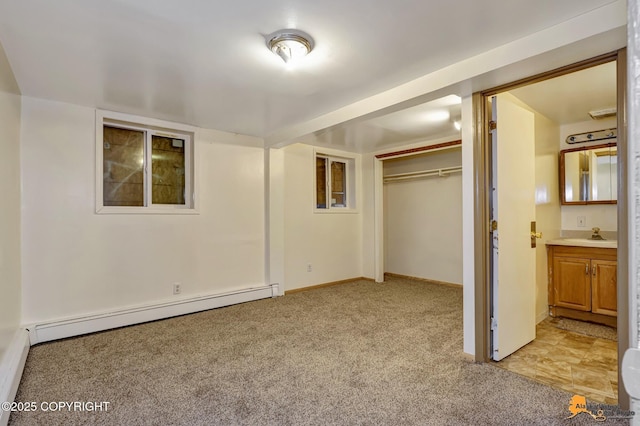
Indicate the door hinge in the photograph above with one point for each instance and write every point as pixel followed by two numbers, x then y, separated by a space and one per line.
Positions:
pixel 494 323
pixel 492 125
pixel 493 226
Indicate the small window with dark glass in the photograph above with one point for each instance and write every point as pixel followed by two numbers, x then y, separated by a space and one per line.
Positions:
pixel 144 167
pixel 331 182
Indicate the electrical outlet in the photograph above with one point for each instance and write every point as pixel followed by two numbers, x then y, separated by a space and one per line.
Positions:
pixel 177 288
pixel 582 221
pixel 309 267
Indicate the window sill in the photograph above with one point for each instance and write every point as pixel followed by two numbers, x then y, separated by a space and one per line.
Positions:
pixel 336 211
pixel 146 210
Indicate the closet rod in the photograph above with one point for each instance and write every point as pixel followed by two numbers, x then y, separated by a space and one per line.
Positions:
pixel 424 173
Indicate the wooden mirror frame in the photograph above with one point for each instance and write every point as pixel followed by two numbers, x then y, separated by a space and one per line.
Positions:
pixel 563 200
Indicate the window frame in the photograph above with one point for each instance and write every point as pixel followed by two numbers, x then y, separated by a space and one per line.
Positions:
pixel 350 190
pixel 150 127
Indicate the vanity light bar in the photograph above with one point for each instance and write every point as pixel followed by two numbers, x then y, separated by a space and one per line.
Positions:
pixel 598 135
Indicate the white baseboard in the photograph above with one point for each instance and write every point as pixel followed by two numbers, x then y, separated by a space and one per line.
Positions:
pixel 541 316
pixel 39 333
pixel 11 366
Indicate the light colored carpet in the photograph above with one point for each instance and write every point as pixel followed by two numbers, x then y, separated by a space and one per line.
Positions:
pixel 354 354
pixel 586 328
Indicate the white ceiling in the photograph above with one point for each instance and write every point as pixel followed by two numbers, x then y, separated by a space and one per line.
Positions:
pixel 564 100
pixel 205 63
pixel 568 99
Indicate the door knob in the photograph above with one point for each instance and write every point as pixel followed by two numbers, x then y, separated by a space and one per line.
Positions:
pixel 536 234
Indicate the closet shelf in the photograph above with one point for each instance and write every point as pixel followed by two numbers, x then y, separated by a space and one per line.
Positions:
pixel 445 171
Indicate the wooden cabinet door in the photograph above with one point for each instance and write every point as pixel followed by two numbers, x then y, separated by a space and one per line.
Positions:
pixel 604 287
pixel 572 283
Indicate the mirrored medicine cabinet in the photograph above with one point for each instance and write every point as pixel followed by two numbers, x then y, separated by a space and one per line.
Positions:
pixel 588 175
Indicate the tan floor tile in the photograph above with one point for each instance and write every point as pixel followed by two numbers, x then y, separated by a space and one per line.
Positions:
pixel 577 341
pixel 601 367
pixel 521 366
pixel 601 359
pixel 550 335
pixel 592 381
pixel 606 344
pixel 573 362
pixel 537 348
pixel 593 396
pixel 553 372
pixel 566 354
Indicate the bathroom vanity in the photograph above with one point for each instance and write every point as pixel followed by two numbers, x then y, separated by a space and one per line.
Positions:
pixel 582 279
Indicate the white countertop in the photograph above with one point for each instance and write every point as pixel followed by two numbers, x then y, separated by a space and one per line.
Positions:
pixel 583 242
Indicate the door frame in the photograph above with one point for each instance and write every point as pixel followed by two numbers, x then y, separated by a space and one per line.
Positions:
pixel 482 203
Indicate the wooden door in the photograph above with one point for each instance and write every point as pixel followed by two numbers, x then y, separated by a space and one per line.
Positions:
pixel 604 287
pixel 572 283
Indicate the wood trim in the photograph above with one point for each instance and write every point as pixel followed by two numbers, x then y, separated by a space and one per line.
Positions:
pixel 329 284
pixel 557 72
pixel 426 280
pixel 468 358
pixel 420 149
pixel 482 244
pixel 623 323
pixel 586 148
pixel 584 316
pixel 607 154
pixel 582 252
pixel 563 181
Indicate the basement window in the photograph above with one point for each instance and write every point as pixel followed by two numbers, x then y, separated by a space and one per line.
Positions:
pixel 334 183
pixel 143 168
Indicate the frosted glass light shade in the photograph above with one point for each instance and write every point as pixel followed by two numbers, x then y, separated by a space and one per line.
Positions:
pixel 290 46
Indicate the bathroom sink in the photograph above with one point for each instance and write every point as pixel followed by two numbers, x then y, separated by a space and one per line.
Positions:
pixel 584 242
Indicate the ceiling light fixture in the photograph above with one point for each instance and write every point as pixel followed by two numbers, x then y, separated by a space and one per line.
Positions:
pixel 603 113
pixel 290 45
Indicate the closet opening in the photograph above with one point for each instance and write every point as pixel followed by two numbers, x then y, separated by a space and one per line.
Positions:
pixel 421 213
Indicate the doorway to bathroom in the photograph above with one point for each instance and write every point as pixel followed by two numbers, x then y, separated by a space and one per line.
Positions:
pixel 573 358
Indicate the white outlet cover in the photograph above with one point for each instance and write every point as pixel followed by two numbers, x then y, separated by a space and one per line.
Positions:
pixel 631 372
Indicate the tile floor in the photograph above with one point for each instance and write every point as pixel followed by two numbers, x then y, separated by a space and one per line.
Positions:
pixel 570 361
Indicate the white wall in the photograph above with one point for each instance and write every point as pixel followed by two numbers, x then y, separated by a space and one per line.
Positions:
pixel 423 218
pixel 330 242
pixel 547 204
pixel 10 203
pixel 603 216
pixel 77 262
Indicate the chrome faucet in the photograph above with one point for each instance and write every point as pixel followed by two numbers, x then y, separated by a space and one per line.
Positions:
pixel 596 234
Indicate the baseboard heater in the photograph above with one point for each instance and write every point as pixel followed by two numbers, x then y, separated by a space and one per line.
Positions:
pixel 39 333
pixel 11 367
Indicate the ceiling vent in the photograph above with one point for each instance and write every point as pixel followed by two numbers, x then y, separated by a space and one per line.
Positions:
pixel 602 113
